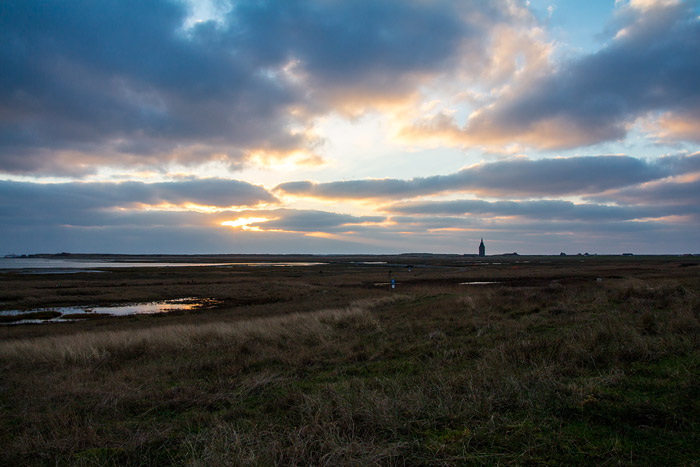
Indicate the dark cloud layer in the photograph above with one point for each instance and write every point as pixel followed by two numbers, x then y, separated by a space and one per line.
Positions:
pixel 122 82
pixel 106 217
pixel 669 193
pixel 52 200
pixel 102 205
pixel 123 77
pixel 543 209
pixel 511 178
pixel 368 46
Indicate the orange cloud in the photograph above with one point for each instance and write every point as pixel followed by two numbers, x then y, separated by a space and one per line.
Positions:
pixel 480 130
pixel 671 127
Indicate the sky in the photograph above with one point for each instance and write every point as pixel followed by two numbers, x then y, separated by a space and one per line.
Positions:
pixel 349 126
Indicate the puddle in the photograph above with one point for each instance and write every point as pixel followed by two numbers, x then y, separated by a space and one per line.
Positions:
pixel 72 313
pixel 478 283
pixel 276 264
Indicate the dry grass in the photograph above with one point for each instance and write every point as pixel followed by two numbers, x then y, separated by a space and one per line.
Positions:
pixel 565 371
pixel 95 346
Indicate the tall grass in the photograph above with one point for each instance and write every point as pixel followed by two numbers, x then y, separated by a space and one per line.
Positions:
pixel 97 345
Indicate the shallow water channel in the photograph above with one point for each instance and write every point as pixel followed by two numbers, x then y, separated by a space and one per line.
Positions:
pixel 72 313
pixel 72 266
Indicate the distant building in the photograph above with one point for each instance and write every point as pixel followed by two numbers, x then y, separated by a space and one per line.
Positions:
pixel 482 248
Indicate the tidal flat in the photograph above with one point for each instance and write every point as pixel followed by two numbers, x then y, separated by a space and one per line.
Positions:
pixel 536 360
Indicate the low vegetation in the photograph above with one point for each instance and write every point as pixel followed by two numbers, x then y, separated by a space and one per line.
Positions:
pixel 555 364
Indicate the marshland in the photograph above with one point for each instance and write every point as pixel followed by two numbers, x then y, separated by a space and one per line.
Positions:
pixel 467 361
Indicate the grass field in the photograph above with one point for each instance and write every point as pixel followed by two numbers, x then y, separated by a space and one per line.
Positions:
pixel 576 360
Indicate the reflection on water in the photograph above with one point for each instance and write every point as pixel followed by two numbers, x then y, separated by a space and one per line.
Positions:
pixel 478 283
pixel 70 313
pixel 58 264
pixel 43 265
pixel 57 271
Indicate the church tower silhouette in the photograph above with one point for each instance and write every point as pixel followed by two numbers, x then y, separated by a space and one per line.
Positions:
pixel 482 248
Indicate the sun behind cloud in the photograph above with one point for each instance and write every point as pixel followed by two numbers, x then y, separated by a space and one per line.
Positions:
pixel 245 223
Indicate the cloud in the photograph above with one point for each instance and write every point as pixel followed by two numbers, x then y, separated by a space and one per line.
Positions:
pixel 90 87
pixel 665 193
pixel 510 178
pixel 128 83
pixel 671 127
pixel 54 200
pixel 680 188
pixel 82 217
pixel 175 205
pixel 158 239
pixel 650 66
pixel 50 218
pixel 542 210
pixel 121 77
pixel 301 221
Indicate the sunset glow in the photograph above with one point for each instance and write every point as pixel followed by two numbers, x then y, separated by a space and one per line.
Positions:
pixel 245 223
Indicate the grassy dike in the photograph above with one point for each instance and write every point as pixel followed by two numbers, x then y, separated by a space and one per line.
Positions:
pixel 558 371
